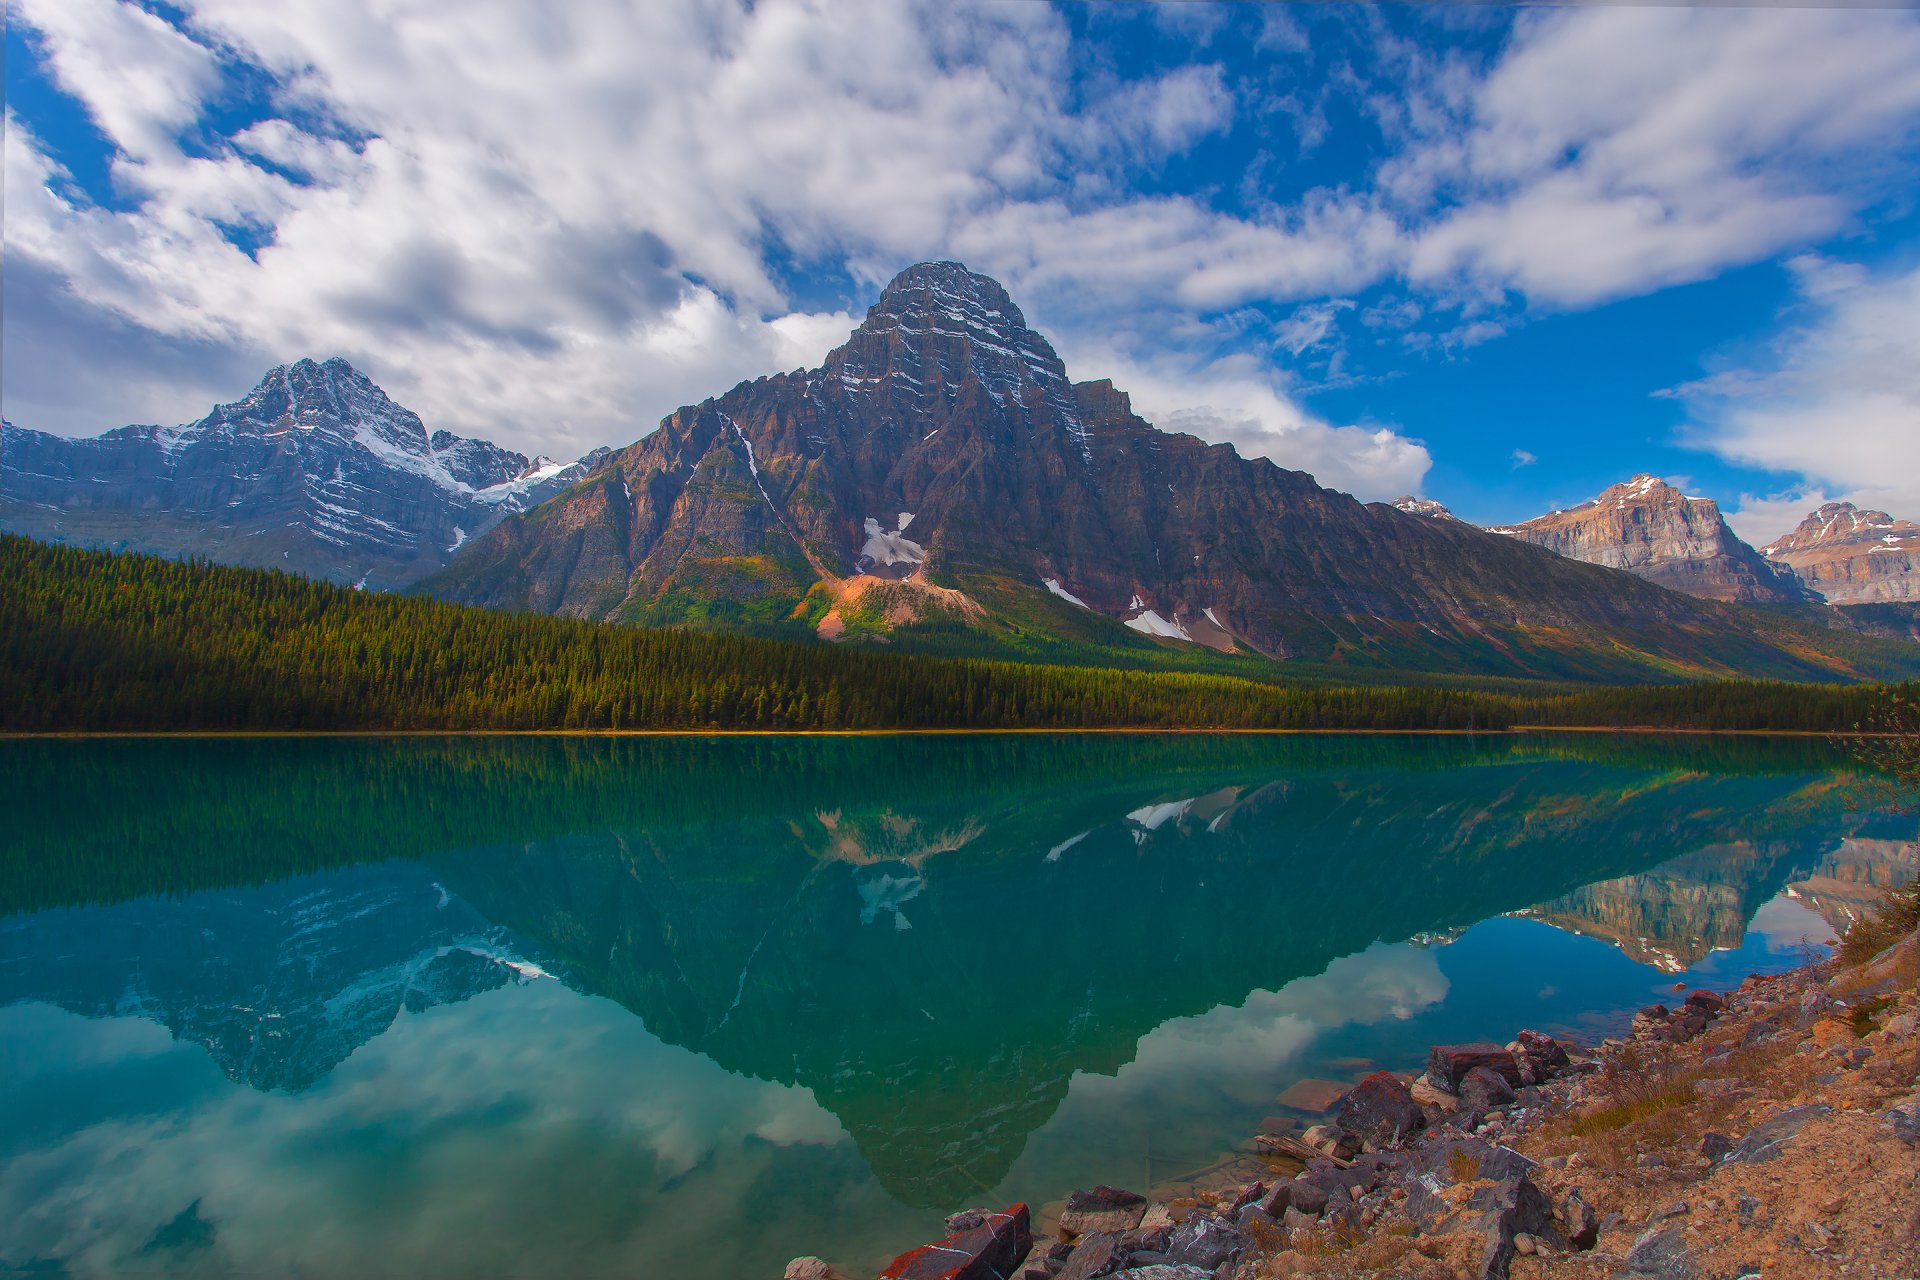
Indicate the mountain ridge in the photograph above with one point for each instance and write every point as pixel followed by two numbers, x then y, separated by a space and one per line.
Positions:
pixel 316 469
pixel 932 482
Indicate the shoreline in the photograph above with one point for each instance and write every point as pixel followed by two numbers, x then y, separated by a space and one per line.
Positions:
pixel 1768 1131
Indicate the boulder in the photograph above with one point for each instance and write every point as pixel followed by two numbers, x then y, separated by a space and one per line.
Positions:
pixel 1539 1056
pixel 1243 1195
pixel 1261 1228
pixel 808 1269
pixel 1207 1243
pixel 1102 1209
pixel 1448 1064
pixel 1764 1141
pixel 1164 1271
pixel 1332 1140
pixel 1579 1221
pixel 1710 1004
pixel 1381 1110
pixel 1099 1254
pixel 1428 1094
pixel 1306 1198
pixel 1482 1090
pixel 989 1251
pixel 1714 1146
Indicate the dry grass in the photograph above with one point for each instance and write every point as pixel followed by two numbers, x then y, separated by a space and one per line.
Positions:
pixel 1463 1165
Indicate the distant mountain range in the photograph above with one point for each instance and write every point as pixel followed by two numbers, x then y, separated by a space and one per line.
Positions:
pixel 316 471
pixel 940 482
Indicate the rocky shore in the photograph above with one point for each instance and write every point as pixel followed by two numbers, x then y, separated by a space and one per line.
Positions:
pixel 1766 1132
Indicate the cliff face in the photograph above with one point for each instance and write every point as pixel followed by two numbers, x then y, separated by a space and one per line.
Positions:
pixel 940 468
pixel 1652 530
pixel 315 470
pixel 1852 556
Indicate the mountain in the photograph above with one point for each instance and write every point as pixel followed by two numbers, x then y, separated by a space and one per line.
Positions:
pixel 1652 530
pixel 939 480
pixel 1422 507
pixel 1852 556
pixel 316 470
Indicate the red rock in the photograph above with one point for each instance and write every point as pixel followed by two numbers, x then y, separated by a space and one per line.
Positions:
pixel 1381 1110
pixel 1448 1064
pixel 988 1252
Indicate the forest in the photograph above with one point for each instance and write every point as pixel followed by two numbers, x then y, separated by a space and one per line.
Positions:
pixel 103 642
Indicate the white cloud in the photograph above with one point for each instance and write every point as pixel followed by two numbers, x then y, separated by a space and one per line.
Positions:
pixel 1835 400
pixel 1521 458
pixel 1233 399
pixel 1616 150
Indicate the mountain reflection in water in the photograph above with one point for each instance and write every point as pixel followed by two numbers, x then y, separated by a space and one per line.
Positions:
pixel 952 959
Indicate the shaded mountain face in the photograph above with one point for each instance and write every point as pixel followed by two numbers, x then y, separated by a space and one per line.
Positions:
pixel 1652 530
pixel 939 474
pixel 1852 556
pixel 316 471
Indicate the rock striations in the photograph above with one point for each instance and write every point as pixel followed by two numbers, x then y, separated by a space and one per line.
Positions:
pixel 939 471
pixel 1852 556
pixel 1652 530
pixel 316 470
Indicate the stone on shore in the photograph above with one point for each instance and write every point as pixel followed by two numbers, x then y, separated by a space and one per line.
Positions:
pixel 1448 1064
pixel 987 1252
pixel 1098 1254
pixel 1483 1090
pixel 1381 1110
pixel 808 1269
pixel 1102 1208
pixel 1539 1056
pixel 1206 1242
pixel 1332 1140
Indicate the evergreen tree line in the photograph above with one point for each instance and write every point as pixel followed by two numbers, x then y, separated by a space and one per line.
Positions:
pixel 93 641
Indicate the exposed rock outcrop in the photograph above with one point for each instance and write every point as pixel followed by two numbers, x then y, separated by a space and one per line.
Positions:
pixel 1851 556
pixel 1652 530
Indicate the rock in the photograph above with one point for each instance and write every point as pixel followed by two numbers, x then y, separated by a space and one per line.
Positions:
pixel 1295 1220
pixel 808 1269
pixel 1482 1090
pixel 1428 1094
pixel 1539 1056
pixel 1707 1003
pixel 987 1252
pixel 1262 1228
pixel 1098 1254
pixel 1905 1120
pixel 1746 1209
pixel 1308 1199
pixel 1332 1140
pixel 1579 1221
pixel 1526 1245
pixel 1164 1271
pixel 1245 1194
pixel 1381 1110
pixel 1662 1253
pixel 1448 1064
pixel 965 1220
pixel 1898 1027
pixel 1207 1243
pixel 1278 1199
pixel 1714 1146
pixel 1156 1217
pixel 1044 1260
pixel 1102 1208
pixel 1763 1141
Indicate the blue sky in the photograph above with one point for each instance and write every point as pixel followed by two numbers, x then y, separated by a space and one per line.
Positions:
pixel 1499 256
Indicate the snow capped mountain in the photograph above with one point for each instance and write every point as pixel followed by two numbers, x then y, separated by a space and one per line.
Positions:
pixel 940 475
pixel 1652 530
pixel 314 470
pixel 1852 556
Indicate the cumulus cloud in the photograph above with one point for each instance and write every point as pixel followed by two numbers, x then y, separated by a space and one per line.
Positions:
pixel 1615 150
pixel 553 225
pixel 1233 399
pixel 1522 458
pixel 1834 400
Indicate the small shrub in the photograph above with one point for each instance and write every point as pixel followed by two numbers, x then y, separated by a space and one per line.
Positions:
pixel 1896 917
pixel 1463 1165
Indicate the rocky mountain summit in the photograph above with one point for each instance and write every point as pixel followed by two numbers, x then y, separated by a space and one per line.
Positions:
pixel 1423 507
pixel 1852 556
pixel 939 474
pixel 1652 530
pixel 316 470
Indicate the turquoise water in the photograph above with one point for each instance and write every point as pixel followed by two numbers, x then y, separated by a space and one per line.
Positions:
pixel 691 1007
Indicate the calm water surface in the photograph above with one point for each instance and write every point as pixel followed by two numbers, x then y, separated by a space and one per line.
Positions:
pixel 690 1007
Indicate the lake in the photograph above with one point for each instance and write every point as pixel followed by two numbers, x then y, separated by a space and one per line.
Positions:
pixel 692 1006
